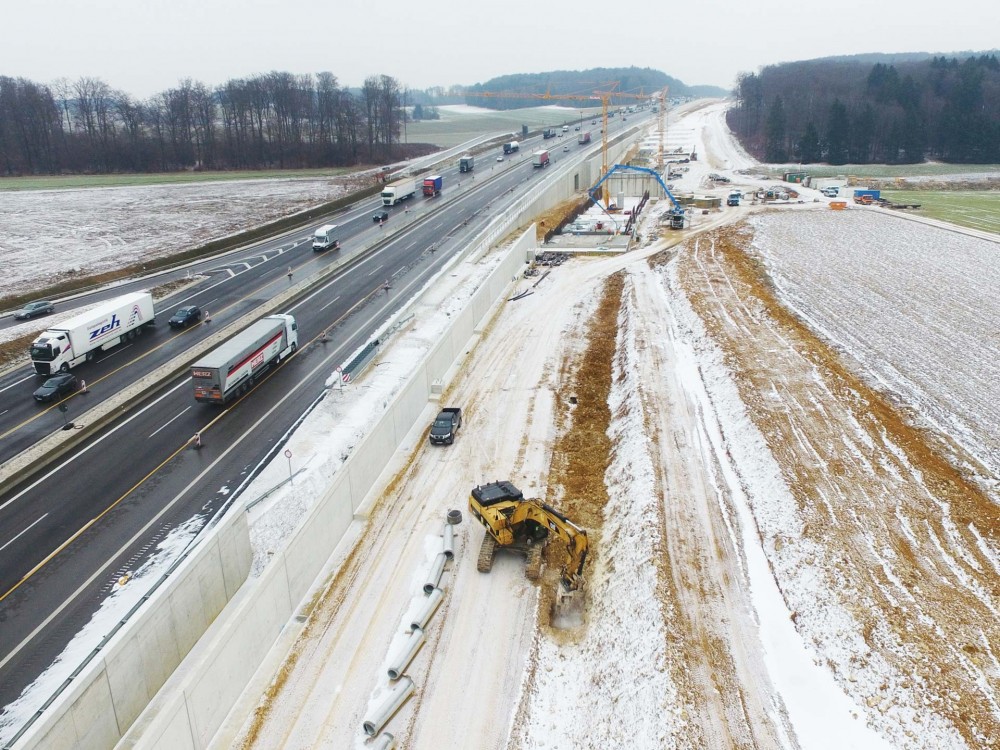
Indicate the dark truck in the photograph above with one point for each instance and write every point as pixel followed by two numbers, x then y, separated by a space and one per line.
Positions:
pixel 446 424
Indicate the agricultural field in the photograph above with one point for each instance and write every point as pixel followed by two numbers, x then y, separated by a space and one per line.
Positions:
pixel 976 209
pixel 67 182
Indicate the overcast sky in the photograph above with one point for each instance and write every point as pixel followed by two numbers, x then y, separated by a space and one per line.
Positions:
pixel 146 46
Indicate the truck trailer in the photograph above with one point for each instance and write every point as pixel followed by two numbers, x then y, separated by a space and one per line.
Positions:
pixel 325 238
pixel 466 163
pixel 432 185
pixel 540 159
pixel 549 133
pixel 231 369
pixel 80 338
pixel 510 148
pixel 583 138
pixel 398 191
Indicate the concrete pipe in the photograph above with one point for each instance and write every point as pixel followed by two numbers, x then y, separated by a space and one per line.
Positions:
pixel 385 742
pixel 430 605
pixel 454 517
pixel 449 541
pixel 402 657
pixel 397 696
pixel 437 568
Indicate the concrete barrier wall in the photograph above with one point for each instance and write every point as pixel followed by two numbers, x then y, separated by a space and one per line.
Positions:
pixel 114 698
pixel 112 691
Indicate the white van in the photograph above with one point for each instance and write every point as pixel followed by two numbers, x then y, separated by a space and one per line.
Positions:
pixel 326 238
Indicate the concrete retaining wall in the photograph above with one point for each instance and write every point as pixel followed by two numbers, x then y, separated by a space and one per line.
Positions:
pixel 120 700
pixel 113 691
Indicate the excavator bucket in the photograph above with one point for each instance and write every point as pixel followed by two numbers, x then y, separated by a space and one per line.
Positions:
pixel 567 609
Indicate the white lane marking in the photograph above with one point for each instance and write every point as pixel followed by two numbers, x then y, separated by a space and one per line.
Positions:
pixel 17 382
pixel 168 422
pixel 23 531
pixel 48 475
pixel 329 303
pixel 375 270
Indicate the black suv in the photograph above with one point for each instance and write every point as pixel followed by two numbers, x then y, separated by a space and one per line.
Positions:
pixel 380 216
pixel 185 316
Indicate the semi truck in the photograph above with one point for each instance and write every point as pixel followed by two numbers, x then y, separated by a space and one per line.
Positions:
pixel 466 163
pixel 80 338
pixel 510 148
pixel 325 238
pixel 549 133
pixel 432 185
pixel 583 138
pixel 540 159
pixel 231 369
pixel 398 191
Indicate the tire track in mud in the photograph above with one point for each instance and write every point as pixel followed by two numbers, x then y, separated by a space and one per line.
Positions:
pixel 907 544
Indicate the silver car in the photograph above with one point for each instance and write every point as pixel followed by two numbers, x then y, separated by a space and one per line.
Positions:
pixel 34 309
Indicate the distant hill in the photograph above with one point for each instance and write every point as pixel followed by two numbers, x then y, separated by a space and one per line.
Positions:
pixel 583 82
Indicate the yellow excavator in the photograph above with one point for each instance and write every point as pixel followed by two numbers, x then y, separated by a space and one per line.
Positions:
pixel 522 524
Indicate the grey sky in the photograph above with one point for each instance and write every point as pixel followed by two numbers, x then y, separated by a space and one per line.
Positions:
pixel 146 46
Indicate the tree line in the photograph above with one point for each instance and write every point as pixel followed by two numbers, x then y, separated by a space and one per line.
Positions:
pixel 272 120
pixel 842 112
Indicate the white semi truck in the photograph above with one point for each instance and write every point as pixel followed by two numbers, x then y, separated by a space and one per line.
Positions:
pixel 398 191
pixel 231 369
pixel 79 338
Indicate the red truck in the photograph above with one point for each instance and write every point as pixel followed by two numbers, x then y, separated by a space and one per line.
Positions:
pixel 432 185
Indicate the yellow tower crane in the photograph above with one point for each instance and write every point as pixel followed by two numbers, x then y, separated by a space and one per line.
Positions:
pixel 603 96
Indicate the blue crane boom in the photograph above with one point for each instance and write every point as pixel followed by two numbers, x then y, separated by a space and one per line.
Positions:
pixel 676 213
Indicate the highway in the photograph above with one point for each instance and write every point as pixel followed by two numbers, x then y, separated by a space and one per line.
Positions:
pixel 70 531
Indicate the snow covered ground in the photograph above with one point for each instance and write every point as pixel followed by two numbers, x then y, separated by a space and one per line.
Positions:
pixel 791 501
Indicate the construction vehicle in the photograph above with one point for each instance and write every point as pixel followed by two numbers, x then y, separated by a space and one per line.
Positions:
pixel 514 522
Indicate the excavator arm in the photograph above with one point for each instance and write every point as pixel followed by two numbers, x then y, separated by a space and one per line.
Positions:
pixel 571 535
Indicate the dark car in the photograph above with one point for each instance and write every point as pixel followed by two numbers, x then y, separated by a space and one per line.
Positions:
pixel 380 216
pixel 185 316
pixel 34 309
pixel 56 386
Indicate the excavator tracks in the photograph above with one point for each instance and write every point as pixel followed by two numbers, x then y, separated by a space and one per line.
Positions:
pixel 486 553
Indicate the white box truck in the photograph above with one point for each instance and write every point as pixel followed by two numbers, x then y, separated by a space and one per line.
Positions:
pixel 326 238
pixel 79 338
pixel 540 159
pixel 398 191
pixel 231 369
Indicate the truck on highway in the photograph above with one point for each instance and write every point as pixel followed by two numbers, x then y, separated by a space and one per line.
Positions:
pixel 466 163
pixel 432 185
pixel 398 191
pixel 231 369
pixel 510 148
pixel 80 338
pixel 540 159
pixel 583 138
pixel 549 133
pixel 445 425
pixel 325 238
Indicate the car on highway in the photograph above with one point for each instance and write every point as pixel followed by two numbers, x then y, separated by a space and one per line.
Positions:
pixel 379 216
pixel 185 316
pixel 500 158
pixel 55 387
pixel 34 309
pixel 577 127
pixel 565 148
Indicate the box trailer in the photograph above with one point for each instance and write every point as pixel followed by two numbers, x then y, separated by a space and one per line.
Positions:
pixel 79 338
pixel 540 159
pixel 432 185
pixel 583 138
pixel 398 191
pixel 231 369
pixel 466 163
